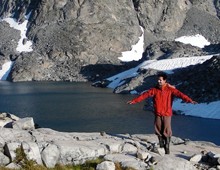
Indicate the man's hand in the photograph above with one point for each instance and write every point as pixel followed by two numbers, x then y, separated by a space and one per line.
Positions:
pixel 194 102
pixel 130 102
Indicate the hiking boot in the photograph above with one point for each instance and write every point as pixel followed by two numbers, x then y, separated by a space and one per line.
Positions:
pixel 167 145
pixel 161 141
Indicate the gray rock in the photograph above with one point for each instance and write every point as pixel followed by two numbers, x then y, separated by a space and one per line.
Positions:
pixel 50 155
pixel 173 163
pixel 79 151
pixel 48 135
pixel 196 158
pixel 10 150
pixel 32 151
pixel 177 141
pixel 129 148
pixel 6 119
pixel 161 151
pixel 4 160
pixel 8 115
pixel 143 155
pixel 127 161
pixel 24 124
pixel 106 165
pixel 12 135
pixel 113 145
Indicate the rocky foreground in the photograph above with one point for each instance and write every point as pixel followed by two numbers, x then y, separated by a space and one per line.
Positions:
pixel 139 151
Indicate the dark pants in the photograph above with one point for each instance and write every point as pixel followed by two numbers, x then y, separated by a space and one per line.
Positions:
pixel 162 125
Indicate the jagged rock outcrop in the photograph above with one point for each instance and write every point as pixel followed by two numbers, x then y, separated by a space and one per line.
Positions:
pixel 163 22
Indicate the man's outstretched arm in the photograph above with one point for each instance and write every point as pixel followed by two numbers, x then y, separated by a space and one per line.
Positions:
pixel 141 97
pixel 183 96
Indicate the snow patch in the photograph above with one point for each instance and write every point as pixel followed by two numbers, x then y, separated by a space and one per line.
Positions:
pixel 22 27
pixel 168 65
pixel 5 70
pixel 117 79
pixel 196 40
pixel 136 52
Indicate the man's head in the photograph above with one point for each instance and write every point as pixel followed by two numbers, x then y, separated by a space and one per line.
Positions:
pixel 162 79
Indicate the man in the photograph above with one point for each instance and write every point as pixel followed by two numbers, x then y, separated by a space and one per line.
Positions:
pixel 162 102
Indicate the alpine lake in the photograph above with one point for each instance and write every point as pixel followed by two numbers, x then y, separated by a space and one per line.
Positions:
pixel 80 107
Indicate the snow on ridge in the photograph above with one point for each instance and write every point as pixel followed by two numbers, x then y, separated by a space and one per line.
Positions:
pixel 6 68
pixel 138 49
pixel 136 52
pixel 167 65
pixel 118 79
pixel 196 40
pixel 22 27
pixel 27 47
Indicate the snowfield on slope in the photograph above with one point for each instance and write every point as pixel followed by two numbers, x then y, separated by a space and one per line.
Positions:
pixel 27 47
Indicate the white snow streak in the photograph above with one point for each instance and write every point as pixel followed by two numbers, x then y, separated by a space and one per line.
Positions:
pixel 197 40
pixel 5 70
pixel 136 52
pixel 27 47
pixel 22 27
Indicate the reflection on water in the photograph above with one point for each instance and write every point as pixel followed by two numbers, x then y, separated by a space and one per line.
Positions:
pixel 79 107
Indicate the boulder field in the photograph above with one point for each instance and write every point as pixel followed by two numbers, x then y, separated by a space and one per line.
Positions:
pixel 138 151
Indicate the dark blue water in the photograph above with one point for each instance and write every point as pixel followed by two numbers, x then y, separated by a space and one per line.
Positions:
pixel 79 107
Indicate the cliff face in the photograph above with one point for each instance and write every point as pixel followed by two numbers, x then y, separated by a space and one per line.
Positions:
pixel 70 37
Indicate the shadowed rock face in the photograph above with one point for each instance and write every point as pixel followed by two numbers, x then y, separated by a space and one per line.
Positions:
pixel 70 35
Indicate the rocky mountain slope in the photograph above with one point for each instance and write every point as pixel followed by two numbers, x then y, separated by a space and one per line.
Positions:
pixel 82 40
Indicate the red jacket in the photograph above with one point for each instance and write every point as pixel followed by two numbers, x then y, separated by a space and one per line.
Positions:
pixel 162 98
